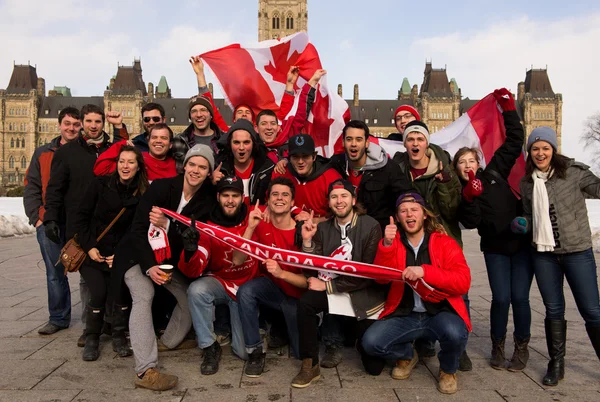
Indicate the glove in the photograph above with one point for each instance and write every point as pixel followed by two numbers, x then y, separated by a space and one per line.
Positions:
pixel 505 99
pixel 52 231
pixel 519 225
pixel 190 237
pixel 473 189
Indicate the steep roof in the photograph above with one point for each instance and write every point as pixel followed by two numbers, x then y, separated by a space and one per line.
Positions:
pixel 52 105
pixel 382 110
pixel 162 85
pixel 435 82
pixel 537 83
pixel 405 88
pixel 129 80
pixel 466 104
pixel 23 79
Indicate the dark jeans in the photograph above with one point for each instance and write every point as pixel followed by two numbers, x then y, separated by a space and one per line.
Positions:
pixel 580 271
pixel 510 279
pixel 59 294
pixel 263 291
pixel 392 338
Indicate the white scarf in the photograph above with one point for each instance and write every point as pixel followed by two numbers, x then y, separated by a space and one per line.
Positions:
pixel 543 236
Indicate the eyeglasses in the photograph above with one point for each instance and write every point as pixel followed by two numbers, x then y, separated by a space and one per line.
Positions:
pixel 155 119
pixel 404 116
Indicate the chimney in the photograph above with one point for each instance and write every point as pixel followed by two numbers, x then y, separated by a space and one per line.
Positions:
pixel 41 86
pixel 150 89
pixel 355 94
pixel 340 90
pixel 112 83
pixel 521 92
pixel 210 88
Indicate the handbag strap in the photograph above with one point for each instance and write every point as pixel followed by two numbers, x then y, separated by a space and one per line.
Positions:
pixel 499 177
pixel 110 225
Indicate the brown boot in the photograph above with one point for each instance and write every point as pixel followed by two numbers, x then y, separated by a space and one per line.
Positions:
pixel 498 359
pixel 448 383
pixel 308 373
pixel 520 356
pixel 404 367
pixel 156 381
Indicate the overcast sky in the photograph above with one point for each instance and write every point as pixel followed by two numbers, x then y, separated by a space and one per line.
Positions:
pixel 484 44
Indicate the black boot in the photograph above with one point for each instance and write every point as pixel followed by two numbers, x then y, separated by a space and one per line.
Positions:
pixel 119 340
pixel 498 359
pixel 556 339
pixel 594 334
pixel 212 355
pixel 93 326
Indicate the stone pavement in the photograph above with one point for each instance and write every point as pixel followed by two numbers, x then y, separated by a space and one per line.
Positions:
pixel 36 368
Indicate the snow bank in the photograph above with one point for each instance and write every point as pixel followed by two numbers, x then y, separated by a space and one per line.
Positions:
pixel 13 221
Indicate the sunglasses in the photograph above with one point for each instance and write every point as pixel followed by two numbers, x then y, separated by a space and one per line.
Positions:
pixel 155 119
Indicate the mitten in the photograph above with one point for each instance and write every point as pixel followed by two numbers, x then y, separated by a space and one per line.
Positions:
pixel 190 237
pixel 505 99
pixel 519 225
pixel 474 187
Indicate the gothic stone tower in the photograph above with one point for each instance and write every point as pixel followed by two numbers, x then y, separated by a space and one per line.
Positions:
pixel 279 18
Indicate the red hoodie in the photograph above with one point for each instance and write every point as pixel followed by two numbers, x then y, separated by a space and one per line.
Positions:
pixel 213 258
pixel 156 168
pixel 447 272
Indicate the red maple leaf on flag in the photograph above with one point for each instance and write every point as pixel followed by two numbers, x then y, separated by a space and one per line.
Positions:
pixel 319 127
pixel 308 62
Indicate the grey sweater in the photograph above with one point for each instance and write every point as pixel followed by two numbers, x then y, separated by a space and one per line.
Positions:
pixel 568 211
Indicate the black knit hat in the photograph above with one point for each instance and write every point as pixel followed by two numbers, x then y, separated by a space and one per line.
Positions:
pixel 200 100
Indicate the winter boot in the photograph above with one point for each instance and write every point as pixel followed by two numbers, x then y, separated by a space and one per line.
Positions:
pixel 333 356
pixel 212 355
pixel 520 355
pixel 93 327
pixel 556 339
pixel 594 334
pixel 119 340
pixel 498 360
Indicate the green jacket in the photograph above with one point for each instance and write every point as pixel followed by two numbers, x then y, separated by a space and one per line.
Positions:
pixel 442 198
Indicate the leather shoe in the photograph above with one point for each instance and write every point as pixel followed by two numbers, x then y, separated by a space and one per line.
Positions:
pixel 50 329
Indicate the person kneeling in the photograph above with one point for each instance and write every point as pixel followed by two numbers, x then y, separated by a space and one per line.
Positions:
pixel 423 251
pixel 220 278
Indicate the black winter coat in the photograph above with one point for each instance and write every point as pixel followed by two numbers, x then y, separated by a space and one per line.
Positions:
pixel 260 178
pixel 71 173
pixel 379 188
pixel 102 202
pixel 165 193
pixel 493 211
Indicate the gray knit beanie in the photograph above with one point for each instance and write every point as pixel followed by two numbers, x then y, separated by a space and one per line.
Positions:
pixel 203 151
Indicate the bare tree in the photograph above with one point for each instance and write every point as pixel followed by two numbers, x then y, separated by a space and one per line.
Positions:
pixel 591 137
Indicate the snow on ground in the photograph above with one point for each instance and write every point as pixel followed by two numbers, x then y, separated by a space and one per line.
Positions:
pixel 13 221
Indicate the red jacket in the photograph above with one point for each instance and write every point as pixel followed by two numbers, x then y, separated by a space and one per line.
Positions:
pixel 447 272
pixel 156 169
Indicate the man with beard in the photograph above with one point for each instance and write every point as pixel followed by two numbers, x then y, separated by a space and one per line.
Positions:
pixel 220 278
pixel 280 286
pixel 155 240
pixel 245 156
pixel 312 175
pixel 421 250
pixel 362 299
pixel 36 181
pixel 159 165
pixel 404 114
pixel 377 180
pixel 202 130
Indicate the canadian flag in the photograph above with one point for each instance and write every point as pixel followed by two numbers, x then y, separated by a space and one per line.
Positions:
pixel 482 127
pixel 257 76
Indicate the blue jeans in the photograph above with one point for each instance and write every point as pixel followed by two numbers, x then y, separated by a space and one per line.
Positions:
pixel 580 271
pixel 59 294
pixel 204 294
pixel 510 279
pixel 392 338
pixel 263 291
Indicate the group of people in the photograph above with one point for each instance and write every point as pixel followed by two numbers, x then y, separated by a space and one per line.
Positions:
pixel 262 180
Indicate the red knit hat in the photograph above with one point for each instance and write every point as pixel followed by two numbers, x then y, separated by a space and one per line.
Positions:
pixel 409 109
pixel 246 106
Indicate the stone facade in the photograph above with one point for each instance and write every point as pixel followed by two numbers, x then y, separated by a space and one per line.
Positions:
pixel 279 18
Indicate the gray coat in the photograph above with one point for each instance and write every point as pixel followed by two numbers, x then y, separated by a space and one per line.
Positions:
pixel 568 212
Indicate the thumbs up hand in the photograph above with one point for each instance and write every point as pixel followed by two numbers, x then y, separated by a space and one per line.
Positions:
pixel 390 233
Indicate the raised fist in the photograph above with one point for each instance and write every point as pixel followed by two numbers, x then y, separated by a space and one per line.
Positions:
pixel 505 99
pixel 474 187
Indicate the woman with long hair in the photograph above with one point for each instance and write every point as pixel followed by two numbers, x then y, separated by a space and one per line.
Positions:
pixel 554 190
pixel 490 205
pixel 104 200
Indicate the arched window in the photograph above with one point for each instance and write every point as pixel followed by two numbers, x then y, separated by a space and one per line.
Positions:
pixel 23 163
pixel 22 142
pixel 275 21
pixel 11 162
pixel 12 142
pixel 40 142
pixel 289 22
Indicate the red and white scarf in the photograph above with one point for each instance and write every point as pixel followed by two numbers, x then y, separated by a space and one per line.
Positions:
pixel 159 241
